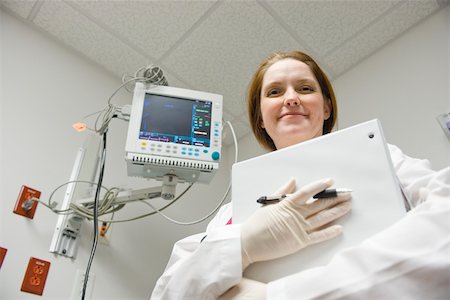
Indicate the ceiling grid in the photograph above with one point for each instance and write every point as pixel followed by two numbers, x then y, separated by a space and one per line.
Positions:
pixel 215 45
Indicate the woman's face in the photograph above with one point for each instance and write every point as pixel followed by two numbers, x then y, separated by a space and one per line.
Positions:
pixel 292 105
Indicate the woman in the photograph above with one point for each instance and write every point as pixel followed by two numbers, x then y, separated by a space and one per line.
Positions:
pixel 290 100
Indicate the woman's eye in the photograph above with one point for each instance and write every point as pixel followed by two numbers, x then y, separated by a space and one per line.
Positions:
pixel 273 92
pixel 306 89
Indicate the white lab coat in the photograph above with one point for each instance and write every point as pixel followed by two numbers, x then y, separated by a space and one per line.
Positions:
pixel 409 260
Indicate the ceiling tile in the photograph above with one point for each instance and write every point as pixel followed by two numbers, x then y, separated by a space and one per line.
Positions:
pixel 226 116
pixel 21 8
pixel 153 26
pixel 222 53
pixel 243 127
pixel 80 33
pixel 324 25
pixel 380 33
pixel 240 129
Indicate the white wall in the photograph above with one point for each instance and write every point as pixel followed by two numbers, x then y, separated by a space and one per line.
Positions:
pixel 45 88
pixel 405 85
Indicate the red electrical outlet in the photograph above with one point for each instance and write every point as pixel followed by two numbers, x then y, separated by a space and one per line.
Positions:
pixel 26 193
pixel 2 255
pixel 35 276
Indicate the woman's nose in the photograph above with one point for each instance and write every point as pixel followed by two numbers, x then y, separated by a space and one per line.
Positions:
pixel 291 98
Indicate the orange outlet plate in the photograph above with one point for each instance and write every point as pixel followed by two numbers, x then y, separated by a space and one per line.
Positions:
pixel 35 276
pixel 2 255
pixel 25 194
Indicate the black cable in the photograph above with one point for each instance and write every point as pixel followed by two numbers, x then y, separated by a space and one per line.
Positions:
pixel 95 220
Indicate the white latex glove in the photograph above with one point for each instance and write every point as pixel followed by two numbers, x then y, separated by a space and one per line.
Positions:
pixel 280 229
pixel 246 289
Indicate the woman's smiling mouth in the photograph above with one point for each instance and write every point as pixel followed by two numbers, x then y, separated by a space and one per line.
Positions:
pixel 291 113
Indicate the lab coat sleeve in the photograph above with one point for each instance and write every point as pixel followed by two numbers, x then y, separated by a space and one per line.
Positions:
pixel 203 269
pixel 408 260
pixel 416 176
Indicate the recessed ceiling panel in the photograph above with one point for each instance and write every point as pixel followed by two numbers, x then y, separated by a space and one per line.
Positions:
pixel 223 52
pixel 153 26
pixel 380 33
pixel 324 25
pixel 80 33
pixel 21 8
pixel 241 129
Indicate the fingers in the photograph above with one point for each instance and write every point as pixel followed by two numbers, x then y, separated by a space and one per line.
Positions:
pixel 325 234
pixel 308 191
pixel 329 215
pixel 288 188
pixel 321 204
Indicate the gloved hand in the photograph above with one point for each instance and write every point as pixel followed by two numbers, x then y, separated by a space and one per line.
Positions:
pixel 280 229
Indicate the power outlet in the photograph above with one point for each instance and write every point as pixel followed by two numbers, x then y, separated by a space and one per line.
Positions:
pixel 23 207
pixel 77 290
pixel 2 255
pixel 35 276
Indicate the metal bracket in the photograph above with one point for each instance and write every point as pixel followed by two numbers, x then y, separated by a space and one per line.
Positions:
pixel 66 235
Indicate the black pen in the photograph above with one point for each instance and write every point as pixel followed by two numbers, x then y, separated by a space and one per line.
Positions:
pixel 328 193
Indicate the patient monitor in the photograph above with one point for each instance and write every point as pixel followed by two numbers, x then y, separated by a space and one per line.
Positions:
pixel 174 135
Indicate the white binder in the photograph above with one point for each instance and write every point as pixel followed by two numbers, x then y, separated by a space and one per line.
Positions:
pixel 356 157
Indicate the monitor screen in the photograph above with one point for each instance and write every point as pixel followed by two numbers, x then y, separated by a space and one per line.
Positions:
pixel 176 120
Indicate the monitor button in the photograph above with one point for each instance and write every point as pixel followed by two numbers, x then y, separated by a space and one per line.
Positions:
pixel 215 155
